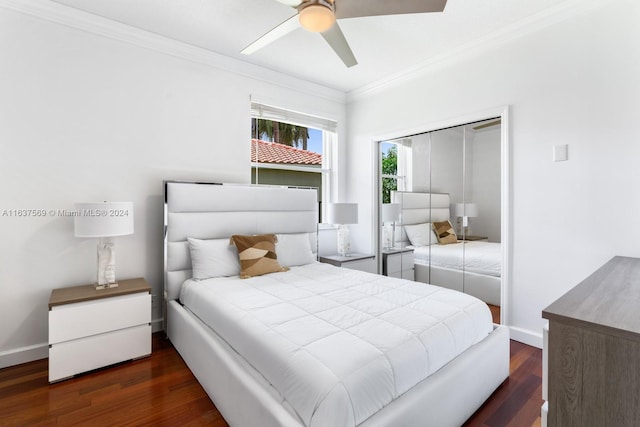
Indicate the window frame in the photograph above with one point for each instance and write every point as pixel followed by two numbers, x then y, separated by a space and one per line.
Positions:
pixel 329 147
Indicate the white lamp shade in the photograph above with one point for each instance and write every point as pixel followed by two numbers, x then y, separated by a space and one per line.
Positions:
pixel 103 219
pixel 342 213
pixel 466 209
pixel 390 212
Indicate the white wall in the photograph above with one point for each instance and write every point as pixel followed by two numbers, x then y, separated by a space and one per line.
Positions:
pixel 88 118
pixel 572 82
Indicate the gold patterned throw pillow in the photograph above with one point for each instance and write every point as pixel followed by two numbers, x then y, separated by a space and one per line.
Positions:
pixel 445 232
pixel 257 255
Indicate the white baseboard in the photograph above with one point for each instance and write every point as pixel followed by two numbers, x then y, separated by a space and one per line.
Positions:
pixel 26 354
pixel 526 336
pixel 30 353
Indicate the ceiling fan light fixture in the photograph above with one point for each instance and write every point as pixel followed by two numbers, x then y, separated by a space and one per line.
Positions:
pixel 317 16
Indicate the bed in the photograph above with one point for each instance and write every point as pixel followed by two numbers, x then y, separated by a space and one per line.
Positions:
pixel 469 267
pixel 233 333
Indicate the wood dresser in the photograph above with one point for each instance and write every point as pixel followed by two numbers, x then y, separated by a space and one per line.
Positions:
pixel 594 350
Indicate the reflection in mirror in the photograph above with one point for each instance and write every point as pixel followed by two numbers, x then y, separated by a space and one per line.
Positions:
pixel 390 215
pixel 447 176
pixel 396 174
pixel 446 185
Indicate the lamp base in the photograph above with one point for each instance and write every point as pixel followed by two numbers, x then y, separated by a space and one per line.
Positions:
pixel 343 243
pixel 106 265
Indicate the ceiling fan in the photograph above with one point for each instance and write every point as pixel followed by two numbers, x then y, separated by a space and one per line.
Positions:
pixel 320 16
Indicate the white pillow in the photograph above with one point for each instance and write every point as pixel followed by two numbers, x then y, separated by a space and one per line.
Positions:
pixel 294 249
pixel 421 234
pixel 213 258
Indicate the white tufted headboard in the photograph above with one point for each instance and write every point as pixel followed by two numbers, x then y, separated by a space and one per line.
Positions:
pixel 417 208
pixel 214 211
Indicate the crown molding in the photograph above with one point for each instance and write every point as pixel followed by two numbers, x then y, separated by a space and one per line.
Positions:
pixel 525 26
pixel 94 24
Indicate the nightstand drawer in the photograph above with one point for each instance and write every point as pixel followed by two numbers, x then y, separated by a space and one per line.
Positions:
pixel 83 319
pixel 367 265
pixel 398 262
pixel 69 358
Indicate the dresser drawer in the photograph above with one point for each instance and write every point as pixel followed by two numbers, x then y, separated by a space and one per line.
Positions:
pixel 83 319
pixel 69 358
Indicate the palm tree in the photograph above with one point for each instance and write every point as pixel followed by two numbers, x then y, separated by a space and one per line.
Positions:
pixel 282 133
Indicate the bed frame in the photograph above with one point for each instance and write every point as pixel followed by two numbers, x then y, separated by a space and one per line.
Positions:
pixel 243 397
pixel 417 208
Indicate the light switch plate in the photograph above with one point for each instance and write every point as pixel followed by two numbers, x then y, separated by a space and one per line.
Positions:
pixel 560 153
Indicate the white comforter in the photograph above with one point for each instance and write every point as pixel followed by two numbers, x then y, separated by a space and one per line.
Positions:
pixel 338 344
pixel 476 257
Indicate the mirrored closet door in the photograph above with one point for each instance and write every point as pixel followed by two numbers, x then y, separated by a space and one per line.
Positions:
pixel 440 210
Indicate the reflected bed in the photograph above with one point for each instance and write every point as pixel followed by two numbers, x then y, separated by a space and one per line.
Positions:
pixel 470 267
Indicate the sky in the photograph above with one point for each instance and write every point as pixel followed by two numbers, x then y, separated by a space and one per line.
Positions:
pixel 314 143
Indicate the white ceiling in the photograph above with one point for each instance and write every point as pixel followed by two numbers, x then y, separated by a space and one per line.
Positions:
pixel 384 46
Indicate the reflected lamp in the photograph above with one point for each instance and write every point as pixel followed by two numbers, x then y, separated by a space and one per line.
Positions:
pixel 464 211
pixel 390 214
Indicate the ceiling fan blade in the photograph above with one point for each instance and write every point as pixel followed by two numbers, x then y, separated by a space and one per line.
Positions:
pixel 281 30
pixel 357 8
pixel 338 43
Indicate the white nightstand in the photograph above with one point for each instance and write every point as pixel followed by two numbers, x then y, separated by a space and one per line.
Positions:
pixel 362 262
pixel 398 262
pixel 90 328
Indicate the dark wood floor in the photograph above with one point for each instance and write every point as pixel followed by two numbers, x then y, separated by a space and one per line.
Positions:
pixel 161 391
pixel 517 402
pixel 495 313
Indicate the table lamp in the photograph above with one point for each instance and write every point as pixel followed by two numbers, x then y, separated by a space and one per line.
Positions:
pixel 104 220
pixel 342 214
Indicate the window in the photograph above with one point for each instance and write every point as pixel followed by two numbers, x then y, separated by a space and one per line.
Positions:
pixel 293 149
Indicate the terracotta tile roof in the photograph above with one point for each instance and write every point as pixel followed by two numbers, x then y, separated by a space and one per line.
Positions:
pixel 272 152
